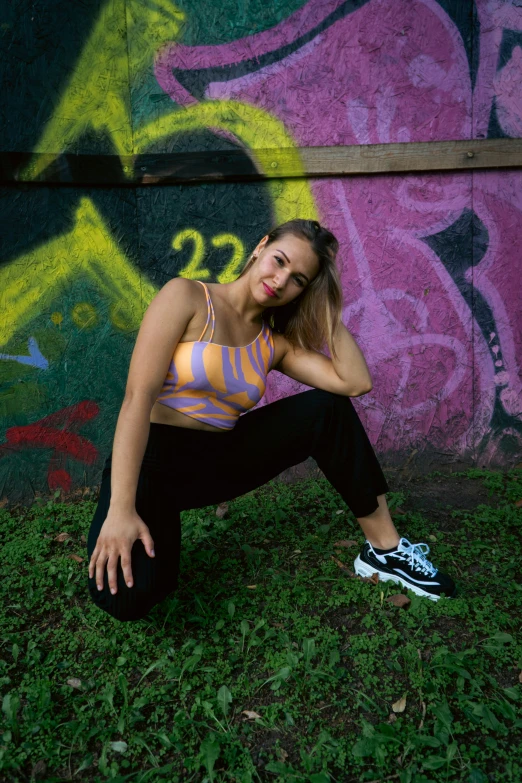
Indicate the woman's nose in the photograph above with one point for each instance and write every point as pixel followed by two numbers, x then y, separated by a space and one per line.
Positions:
pixel 280 278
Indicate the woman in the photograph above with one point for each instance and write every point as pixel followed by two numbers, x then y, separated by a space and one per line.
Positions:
pixel 181 441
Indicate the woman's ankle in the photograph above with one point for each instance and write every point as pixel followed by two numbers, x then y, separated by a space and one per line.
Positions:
pixel 384 542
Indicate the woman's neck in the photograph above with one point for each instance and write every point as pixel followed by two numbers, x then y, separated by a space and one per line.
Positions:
pixel 239 298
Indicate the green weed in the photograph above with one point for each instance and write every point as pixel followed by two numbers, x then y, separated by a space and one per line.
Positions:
pixel 270 663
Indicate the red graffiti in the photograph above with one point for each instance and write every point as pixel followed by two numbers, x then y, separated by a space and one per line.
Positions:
pixel 58 432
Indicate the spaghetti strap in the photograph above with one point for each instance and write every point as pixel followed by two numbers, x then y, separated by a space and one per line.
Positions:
pixel 215 385
pixel 210 309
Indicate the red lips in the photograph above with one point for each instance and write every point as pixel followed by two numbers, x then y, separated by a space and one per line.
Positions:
pixel 269 290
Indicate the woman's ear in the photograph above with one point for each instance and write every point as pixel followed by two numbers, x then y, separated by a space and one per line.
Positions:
pixel 261 245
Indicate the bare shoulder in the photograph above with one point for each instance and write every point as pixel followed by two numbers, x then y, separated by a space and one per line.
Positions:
pixel 179 298
pixel 172 309
pixel 164 323
pixel 183 289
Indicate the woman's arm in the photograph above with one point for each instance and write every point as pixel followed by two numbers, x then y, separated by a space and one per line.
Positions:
pixel 348 374
pixel 163 325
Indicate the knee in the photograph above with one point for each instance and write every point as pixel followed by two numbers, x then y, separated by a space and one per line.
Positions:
pixel 329 402
pixel 319 399
pixel 322 396
pixel 125 605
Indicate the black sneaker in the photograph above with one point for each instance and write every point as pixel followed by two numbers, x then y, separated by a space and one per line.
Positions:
pixel 408 566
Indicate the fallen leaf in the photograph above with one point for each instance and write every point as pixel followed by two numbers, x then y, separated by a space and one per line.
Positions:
pixel 397 512
pixel 518 504
pixel 432 538
pixel 61 537
pixel 39 768
pixel 297 551
pixel 341 511
pixel 281 754
pixel 342 566
pixel 251 587
pixel 119 746
pixel 222 510
pixel 392 718
pixel 399 600
pixel 74 682
pixel 84 540
pixel 349 543
pixel 423 706
pixel 251 715
pixel 399 705
pixel 77 558
pixel 373 579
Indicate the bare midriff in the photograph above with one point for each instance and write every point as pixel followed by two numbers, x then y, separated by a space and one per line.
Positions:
pixel 162 414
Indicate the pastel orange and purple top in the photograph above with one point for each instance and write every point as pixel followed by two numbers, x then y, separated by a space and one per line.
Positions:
pixel 216 383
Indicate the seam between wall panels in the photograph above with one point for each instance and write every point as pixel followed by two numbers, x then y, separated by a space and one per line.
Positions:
pixel 473 17
pixel 134 189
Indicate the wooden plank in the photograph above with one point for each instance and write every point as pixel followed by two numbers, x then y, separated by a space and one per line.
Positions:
pixel 254 165
pixel 423 156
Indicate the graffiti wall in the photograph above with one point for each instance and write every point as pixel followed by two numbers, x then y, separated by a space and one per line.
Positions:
pixel 430 263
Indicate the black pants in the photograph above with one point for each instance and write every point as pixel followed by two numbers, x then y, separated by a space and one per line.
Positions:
pixel 185 468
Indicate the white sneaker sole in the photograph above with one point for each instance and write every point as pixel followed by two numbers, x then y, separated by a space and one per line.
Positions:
pixel 363 569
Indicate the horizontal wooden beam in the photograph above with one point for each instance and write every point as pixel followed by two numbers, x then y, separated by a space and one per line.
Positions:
pixel 250 165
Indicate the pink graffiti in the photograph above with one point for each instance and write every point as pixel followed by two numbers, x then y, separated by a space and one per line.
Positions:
pixel 424 77
pixel 504 85
pixel 391 72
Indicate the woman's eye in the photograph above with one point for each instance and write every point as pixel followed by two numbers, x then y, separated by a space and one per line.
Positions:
pixel 299 281
pixel 279 260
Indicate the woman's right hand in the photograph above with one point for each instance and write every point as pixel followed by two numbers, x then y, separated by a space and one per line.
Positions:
pixel 117 535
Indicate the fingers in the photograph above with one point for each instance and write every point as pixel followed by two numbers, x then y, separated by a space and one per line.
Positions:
pixel 148 543
pixel 94 570
pixel 109 554
pixel 126 568
pixel 100 568
pixel 92 561
pixel 99 558
pixel 112 572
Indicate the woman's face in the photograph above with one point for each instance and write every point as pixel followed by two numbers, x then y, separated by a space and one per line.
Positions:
pixel 282 270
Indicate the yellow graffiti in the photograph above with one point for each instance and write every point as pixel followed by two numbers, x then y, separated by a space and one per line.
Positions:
pixel 233 267
pixel 97 95
pixel 122 315
pixel 97 98
pixel 263 136
pixel 87 250
pixel 84 315
pixel 193 271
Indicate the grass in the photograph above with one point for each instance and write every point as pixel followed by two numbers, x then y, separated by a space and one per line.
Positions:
pixel 271 662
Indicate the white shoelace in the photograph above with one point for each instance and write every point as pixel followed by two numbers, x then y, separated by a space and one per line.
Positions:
pixel 416 554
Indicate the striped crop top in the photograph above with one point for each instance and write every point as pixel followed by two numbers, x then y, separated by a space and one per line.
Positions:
pixel 216 383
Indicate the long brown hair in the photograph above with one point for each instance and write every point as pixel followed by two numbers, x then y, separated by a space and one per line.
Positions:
pixel 310 320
